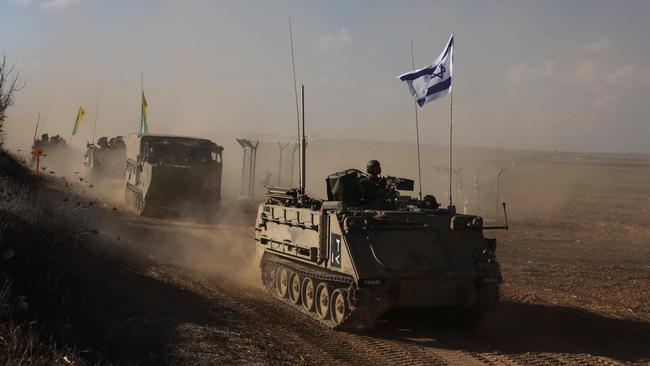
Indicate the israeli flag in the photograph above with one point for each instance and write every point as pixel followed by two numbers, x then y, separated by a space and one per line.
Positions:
pixel 433 81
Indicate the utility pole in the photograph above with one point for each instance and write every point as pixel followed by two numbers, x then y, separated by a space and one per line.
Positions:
pixel 249 160
pixel 253 163
pixel 242 143
pixel 296 148
pixel 477 190
pixel 501 170
pixel 281 147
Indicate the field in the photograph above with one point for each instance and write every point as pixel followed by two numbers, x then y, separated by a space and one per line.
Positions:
pixel 576 264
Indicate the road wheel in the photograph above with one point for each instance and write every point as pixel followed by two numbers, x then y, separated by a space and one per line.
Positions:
pixel 308 294
pixel 268 276
pixel 323 299
pixel 138 203
pixel 294 287
pixel 282 282
pixel 340 307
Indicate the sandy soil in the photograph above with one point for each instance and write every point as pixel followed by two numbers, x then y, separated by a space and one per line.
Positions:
pixel 576 264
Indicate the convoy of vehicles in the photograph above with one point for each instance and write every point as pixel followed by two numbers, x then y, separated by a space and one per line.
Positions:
pixel 344 260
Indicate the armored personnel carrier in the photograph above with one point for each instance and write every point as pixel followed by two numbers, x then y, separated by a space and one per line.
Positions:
pixel 106 159
pixel 345 263
pixel 55 154
pixel 170 175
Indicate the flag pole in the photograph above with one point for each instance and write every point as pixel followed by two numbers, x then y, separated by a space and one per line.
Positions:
pixel 96 113
pixel 72 132
pixel 141 100
pixel 417 131
pixel 451 120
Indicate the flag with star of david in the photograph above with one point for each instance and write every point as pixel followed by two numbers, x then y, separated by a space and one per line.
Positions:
pixel 433 81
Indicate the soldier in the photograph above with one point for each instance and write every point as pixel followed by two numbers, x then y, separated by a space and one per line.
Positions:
pixel 119 143
pixel 430 203
pixel 102 143
pixel 374 188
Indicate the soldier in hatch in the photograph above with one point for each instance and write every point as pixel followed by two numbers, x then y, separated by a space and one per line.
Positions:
pixel 119 143
pixel 374 188
pixel 102 143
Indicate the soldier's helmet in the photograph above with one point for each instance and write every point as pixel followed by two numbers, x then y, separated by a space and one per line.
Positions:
pixel 102 142
pixel 430 202
pixel 373 168
pixel 119 142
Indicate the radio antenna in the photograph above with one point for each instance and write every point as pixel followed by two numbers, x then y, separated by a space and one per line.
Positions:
pixel 303 147
pixel 45 117
pixel 295 89
pixel 38 119
pixel 96 113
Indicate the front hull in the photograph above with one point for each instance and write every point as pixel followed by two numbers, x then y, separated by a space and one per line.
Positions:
pixel 173 190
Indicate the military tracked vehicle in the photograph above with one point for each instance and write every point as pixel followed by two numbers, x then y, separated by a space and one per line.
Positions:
pixel 345 263
pixel 55 154
pixel 106 159
pixel 169 175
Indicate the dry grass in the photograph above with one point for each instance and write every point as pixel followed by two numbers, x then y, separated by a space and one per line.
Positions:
pixel 34 225
pixel 69 295
pixel 21 340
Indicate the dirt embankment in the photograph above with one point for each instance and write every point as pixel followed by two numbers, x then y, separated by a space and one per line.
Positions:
pixel 63 287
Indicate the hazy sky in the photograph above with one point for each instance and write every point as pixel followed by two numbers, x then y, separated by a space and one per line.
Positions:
pixel 570 75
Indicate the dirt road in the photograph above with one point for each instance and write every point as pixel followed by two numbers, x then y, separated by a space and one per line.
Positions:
pixel 576 265
pixel 209 309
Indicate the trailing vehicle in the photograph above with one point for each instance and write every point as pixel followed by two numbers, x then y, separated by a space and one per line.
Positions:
pixel 106 159
pixel 172 175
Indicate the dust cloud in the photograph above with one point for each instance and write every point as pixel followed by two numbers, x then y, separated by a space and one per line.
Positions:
pixel 582 191
pixel 223 248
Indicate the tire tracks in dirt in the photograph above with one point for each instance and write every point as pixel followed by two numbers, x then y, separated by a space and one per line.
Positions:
pixel 318 344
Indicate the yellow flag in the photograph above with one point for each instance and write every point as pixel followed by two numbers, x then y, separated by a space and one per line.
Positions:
pixel 80 116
